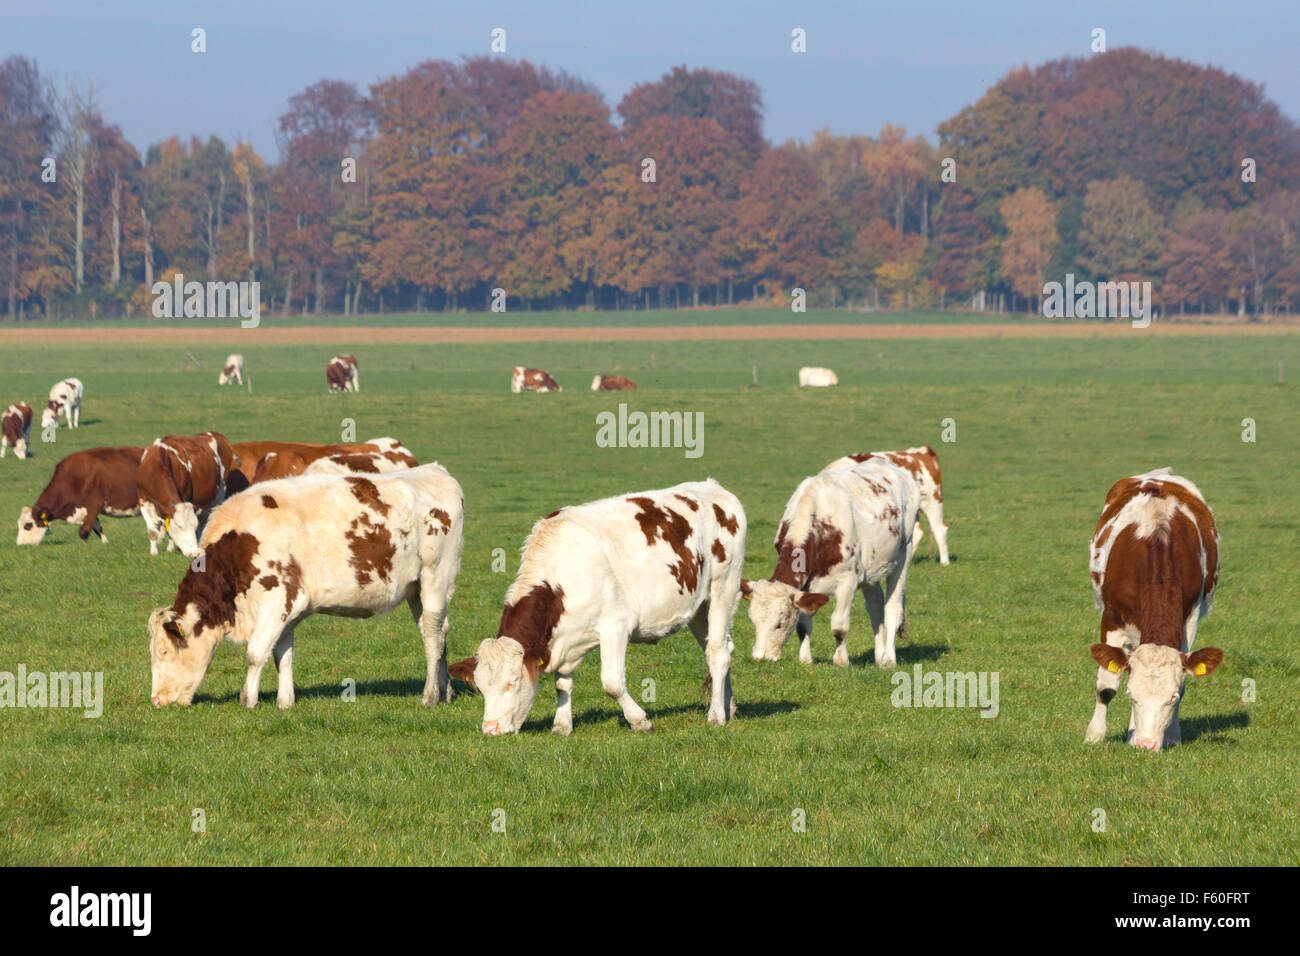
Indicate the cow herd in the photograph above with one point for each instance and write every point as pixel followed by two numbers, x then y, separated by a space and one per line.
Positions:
pixel 294 529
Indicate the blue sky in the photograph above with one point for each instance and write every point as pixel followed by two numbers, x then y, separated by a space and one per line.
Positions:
pixel 913 64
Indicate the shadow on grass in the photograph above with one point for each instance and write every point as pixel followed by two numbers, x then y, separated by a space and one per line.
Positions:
pixel 1194 728
pixel 906 655
pixel 744 711
pixel 410 687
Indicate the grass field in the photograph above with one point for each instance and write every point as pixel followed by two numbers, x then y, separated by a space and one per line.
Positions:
pixel 1043 429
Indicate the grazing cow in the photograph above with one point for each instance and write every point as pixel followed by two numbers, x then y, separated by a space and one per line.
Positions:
pixel 532 380
pixel 1154 561
pixel 84 485
pixel 612 383
pixel 923 465
pixel 342 374
pixel 181 475
pixel 268 460
pixel 65 399
pixel 233 371
pixel 842 531
pixel 15 429
pixel 633 568
pixel 334 544
pixel 812 376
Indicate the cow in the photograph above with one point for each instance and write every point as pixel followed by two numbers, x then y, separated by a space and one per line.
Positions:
pixel 342 374
pixel 65 399
pixel 268 460
pixel 1154 562
pixel 532 380
pixel 361 462
pixel 85 485
pixel 923 465
pixel 813 376
pixel 612 383
pixel 634 568
pixel 15 429
pixel 232 371
pixel 842 531
pixel 334 544
pixel 180 476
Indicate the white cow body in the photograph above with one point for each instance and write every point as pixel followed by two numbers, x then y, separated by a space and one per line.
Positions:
pixel 65 399
pixel 232 371
pixel 922 464
pixel 812 376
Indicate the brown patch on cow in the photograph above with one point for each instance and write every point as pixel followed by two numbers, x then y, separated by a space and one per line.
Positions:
pixel 554 513
pixel 269 581
pixel 531 621
pixel 674 530
pixel 372 549
pixel 727 521
pixel 822 551
pixel 439 516
pixel 291 574
pixel 362 463
pixel 269 502
pixel 690 502
pixel 228 573
pixel 365 491
pixel 719 551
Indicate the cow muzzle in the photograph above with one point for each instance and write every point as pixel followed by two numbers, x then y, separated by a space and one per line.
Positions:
pixel 1145 744
pixel 492 728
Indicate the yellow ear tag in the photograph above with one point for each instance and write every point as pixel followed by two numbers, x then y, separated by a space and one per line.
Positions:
pixel 1200 670
pixel 1112 667
pixel 167 524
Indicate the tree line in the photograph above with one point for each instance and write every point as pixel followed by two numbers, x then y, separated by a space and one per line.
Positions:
pixel 436 187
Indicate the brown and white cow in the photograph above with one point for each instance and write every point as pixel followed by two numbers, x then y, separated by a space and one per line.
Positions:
pixel 842 531
pixel 85 485
pixel 334 544
pixel 532 380
pixel 180 476
pixel 16 429
pixel 635 568
pixel 232 371
pixel 65 399
pixel 342 374
pixel 612 383
pixel 1154 561
pixel 268 460
pixel 923 465
pixel 361 462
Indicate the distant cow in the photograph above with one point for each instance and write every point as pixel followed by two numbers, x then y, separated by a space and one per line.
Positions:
pixel 923 465
pixel 268 460
pixel 180 476
pixel 1154 561
pixel 532 380
pixel 342 374
pixel 16 428
pixel 633 568
pixel 85 485
pixel 65 399
pixel 232 371
pixel 842 531
pixel 344 545
pixel 612 383
pixel 812 376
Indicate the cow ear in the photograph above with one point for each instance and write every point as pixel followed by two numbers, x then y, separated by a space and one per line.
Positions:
pixel 464 670
pixel 1109 657
pixel 746 589
pixel 1202 662
pixel 810 603
pixel 173 630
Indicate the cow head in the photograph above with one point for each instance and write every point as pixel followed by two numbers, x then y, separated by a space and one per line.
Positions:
pixel 774 608
pixel 224 377
pixel 32 527
pixel 507 681
pixel 182 526
pixel 1157 679
pixel 50 416
pixel 178 657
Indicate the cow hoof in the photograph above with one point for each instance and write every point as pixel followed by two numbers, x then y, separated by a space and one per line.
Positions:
pixel 284 704
pixel 1094 734
pixel 562 730
pixel 716 720
pixel 805 658
pixel 839 660
pixel 643 726
pixel 886 662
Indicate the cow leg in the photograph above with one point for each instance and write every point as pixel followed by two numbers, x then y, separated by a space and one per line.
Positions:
pixel 1174 736
pixel 934 515
pixel 1107 685
pixel 433 629
pixel 874 599
pixel 150 517
pixel 4 444
pixel 564 703
pixel 895 608
pixel 260 646
pixel 724 703
pixel 803 626
pixel 284 669
pixel 613 675
pixel 840 620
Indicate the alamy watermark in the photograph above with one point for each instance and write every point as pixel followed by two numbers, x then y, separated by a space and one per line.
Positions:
pixel 208 300
pixel 79 690
pixel 651 430
pixel 946 689
pixel 1098 300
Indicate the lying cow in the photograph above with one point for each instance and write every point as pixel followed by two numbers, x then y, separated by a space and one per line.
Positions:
pixel 65 399
pixel 342 374
pixel 180 476
pixel 634 568
pixel 818 377
pixel 232 371
pixel 842 531
pixel 532 380
pixel 269 460
pixel 85 485
pixel 15 429
pixel 332 544
pixel 923 465
pixel 612 383
pixel 1154 561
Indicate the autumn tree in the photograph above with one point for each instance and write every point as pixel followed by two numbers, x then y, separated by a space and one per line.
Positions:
pixel 1120 232
pixel 1030 240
